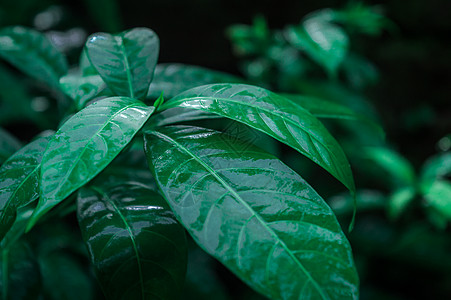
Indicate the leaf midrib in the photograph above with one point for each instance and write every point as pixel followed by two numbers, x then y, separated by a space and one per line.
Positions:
pixel 63 180
pixel 244 203
pixel 329 168
pixel 131 234
pixel 127 66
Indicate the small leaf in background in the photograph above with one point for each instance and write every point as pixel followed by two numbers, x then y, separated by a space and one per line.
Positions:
pixel 125 61
pixel 173 79
pixel 397 167
pixel 274 115
pixel 436 167
pixel 136 245
pixel 19 181
pixel 252 213
pixel 8 145
pixel 367 200
pixel 81 89
pixel 324 42
pixel 330 110
pixel 399 200
pixel 438 195
pixel 32 53
pixel 20 277
pixel 85 145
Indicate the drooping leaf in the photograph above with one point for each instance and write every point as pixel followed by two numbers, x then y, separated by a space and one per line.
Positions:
pixel 125 61
pixel 32 53
pixel 8 145
pixel 135 243
pixel 253 213
pixel 172 79
pixel 82 89
pixel 19 181
pixel 19 273
pixel 324 42
pixel 85 145
pixel 274 115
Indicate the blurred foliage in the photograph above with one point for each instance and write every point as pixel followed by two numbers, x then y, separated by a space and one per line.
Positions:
pixel 390 63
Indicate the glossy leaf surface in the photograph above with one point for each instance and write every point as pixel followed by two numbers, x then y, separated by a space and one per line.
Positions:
pixel 31 52
pixel 253 213
pixel 273 115
pixel 172 79
pixel 85 145
pixel 136 245
pixel 19 181
pixel 125 61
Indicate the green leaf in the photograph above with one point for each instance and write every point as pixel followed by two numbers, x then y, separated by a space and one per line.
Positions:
pixel 125 61
pixel 19 181
pixel 438 195
pixel 8 145
pixel 253 213
pixel 398 168
pixel 400 200
pixel 82 89
pixel 18 227
pixel 32 53
pixel 438 166
pixel 325 43
pixel 136 245
pixel 85 145
pixel 173 79
pixel 274 115
pixel 19 273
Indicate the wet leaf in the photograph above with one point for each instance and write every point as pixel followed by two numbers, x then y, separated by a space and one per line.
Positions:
pixel 125 61
pixel 32 53
pixel 273 115
pixel 136 245
pixel 19 181
pixel 253 213
pixel 85 145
